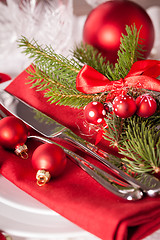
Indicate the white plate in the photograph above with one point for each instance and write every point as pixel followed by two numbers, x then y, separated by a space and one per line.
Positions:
pixel 23 216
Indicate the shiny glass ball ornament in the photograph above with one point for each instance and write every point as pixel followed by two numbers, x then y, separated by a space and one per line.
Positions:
pixel 49 160
pixel 94 112
pixel 105 24
pixel 146 105
pixel 13 135
pixel 124 106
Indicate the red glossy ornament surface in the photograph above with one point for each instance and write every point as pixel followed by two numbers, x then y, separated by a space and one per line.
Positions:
pixel 106 23
pixel 13 132
pixel 4 77
pixel 49 157
pixel 94 112
pixel 146 106
pixel 124 106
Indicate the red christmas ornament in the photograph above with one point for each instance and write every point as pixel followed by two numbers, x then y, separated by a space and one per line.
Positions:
pixel 146 105
pixel 48 159
pixel 13 135
pixel 124 106
pixel 94 112
pixel 4 77
pixel 106 23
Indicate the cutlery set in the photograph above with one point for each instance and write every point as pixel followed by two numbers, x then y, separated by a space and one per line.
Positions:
pixel 120 183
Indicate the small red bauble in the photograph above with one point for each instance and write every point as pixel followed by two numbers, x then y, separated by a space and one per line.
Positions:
pixel 13 134
pixel 4 77
pixel 48 159
pixel 94 112
pixel 146 106
pixel 106 23
pixel 124 106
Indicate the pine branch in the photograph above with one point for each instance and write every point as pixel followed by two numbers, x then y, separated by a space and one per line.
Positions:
pixel 142 147
pixel 115 130
pixel 131 49
pixel 87 54
pixel 54 73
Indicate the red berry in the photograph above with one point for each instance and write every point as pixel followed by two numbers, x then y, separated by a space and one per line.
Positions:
pixel 94 112
pixel 124 106
pixel 146 106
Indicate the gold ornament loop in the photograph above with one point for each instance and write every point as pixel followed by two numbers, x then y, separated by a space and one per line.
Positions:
pixel 24 155
pixel 21 150
pixel 42 177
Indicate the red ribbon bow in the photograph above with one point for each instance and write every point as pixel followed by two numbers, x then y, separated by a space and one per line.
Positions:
pixel 142 74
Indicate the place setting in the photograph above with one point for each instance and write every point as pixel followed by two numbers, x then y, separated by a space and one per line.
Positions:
pixel 79 135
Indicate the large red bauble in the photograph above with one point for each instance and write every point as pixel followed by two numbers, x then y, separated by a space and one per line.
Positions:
pixel 13 132
pixel 106 23
pixel 49 157
pixel 124 106
pixel 94 112
pixel 146 106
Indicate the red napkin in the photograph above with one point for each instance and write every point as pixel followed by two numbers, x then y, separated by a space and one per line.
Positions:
pixel 75 195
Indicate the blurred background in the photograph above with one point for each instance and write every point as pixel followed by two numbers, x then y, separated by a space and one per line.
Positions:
pixel 58 23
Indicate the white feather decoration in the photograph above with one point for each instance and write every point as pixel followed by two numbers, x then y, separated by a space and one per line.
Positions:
pixel 47 21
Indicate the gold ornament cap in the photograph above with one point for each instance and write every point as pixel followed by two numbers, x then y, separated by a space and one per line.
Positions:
pixel 22 151
pixel 42 177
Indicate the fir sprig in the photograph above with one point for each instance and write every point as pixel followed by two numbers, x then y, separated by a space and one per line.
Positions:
pixel 54 73
pixel 87 54
pixel 131 49
pixel 141 147
pixel 115 130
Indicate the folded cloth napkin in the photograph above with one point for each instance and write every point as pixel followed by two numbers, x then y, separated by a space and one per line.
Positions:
pixel 74 194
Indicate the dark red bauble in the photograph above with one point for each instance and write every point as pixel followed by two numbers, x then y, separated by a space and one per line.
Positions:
pixel 49 157
pixel 4 77
pixel 146 106
pixel 106 23
pixel 124 106
pixel 13 132
pixel 94 112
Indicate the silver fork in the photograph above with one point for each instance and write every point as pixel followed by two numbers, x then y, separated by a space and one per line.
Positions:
pixel 149 183
pixel 111 183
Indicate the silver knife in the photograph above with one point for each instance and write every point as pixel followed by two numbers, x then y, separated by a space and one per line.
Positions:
pixel 109 182
pixel 50 128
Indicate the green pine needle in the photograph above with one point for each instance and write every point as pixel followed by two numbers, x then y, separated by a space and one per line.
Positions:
pixel 54 73
pixel 141 147
pixel 114 131
pixel 131 49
